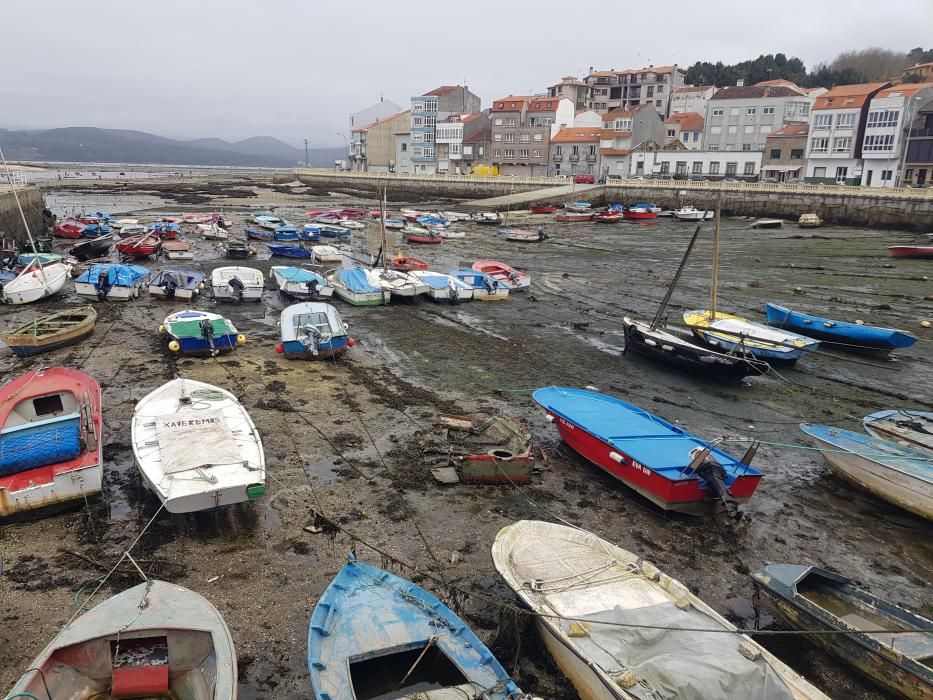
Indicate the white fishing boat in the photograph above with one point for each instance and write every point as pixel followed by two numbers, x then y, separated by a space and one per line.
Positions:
pixel 358 286
pixel 453 216
pixel 326 254
pixel 155 640
pixel 448 233
pixel 121 223
pixel 213 232
pixel 351 224
pixel 300 283
pixel 903 426
pixel 400 284
pixel 443 287
pixel 691 213
pixel 133 229
pixel 197 447
pixel 237 283
pixel 36 282
pixel 768 223
pixel 590 597
pixel 111 282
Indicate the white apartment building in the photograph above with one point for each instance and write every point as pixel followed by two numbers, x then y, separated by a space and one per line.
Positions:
pixel 889 114
pixel 691 98
pixel 740 117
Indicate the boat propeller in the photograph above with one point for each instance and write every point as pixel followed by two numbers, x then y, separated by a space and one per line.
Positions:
pixel 704 465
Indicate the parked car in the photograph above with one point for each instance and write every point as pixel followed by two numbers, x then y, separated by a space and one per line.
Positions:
pixel 697 178
pixel 769 179
pixel 663 177
pixel 585 179
pixel 729 179
pixel 795 181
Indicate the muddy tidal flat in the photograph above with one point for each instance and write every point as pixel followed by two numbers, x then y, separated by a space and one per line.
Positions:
pixel 345 440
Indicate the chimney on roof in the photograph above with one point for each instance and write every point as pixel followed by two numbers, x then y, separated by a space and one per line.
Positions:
pixel 739 83
pixel 591 69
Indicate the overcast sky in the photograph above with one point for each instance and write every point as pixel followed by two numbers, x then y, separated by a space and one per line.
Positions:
pixel 294 69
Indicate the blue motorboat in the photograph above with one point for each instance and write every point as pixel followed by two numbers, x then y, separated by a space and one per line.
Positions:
pixel 331 231
pixel 257 234
pixel 485 287
pixel 312 330
pixel 201 333
pixel 301 283
pixel 288 251
pixel 286 232
pixel 848 336
pixel 433 221
pixel 309 233
pixel 111 281
pixel 375 635
pixel 164 227
pixel 96 230
pixel 659 460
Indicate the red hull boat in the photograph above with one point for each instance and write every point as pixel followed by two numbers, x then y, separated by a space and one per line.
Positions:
pixel 911 251
pixel 407 264
pixel 542 209
pixel 572 216
pixel 139 246
pixel 68 229
pixel 637 214
pixel 426 239
pixel 607 217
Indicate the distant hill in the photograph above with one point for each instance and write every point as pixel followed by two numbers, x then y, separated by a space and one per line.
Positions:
pixel 92 145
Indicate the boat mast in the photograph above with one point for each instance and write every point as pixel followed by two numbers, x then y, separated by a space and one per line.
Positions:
pixel 508 207
pixel 36 261
pixel 715 287
pixel 382 226
pixel 656 321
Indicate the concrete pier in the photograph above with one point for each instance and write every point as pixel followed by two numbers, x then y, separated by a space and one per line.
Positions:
pixel 11 223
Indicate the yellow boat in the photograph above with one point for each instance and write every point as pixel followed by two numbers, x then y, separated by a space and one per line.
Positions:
pixel 809 221
pixel 730 332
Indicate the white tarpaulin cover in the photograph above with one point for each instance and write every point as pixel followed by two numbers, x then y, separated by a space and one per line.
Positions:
pixel 681 665
pixel 191 439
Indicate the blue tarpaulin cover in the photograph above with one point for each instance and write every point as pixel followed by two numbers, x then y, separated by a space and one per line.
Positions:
pixel 117 275
pixel 355 280
pixel 30 447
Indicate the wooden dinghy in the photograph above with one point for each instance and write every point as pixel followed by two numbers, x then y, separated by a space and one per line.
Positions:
pixel 911 428
pixel 585 591
pixel 375 635
pixel 197 447
pixel 51 332
pixel 50 431
pixel 899 475
pixel 811 598
pixel 155 640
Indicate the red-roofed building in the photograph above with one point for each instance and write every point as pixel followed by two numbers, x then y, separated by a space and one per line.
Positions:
pixel 687 128
pixel 452 135
pixel 920 71
pixel 522 127
pixel 692 98
pixel 626 89
pixel 785 154
pixel 426 111
pixel 575 151
pixel 573 89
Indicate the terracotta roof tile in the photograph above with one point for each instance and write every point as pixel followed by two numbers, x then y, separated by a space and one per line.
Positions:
pixel 614 151
pixel 693 88
pixel 846 96
pixel 744 92
pixel 790 131
pixel 442 90
pixel 577 135
pixel 618 114
pixel 650 69
pixel 689 121
pixel 613 134
pixel 503 104
pixel 906 89
pixel 545 104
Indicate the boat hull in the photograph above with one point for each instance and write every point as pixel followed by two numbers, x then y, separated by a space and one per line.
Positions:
pixel 379 298
pixel 296 350
pixel 848 336
pixel 89 291
pixel 225 293
pixel 29 346
pixel 911 251
pixel 30 286
pixel 180 294
pixel 911 428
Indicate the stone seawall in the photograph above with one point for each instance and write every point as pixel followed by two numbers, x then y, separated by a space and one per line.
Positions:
pixel 11 224
pixel 419 187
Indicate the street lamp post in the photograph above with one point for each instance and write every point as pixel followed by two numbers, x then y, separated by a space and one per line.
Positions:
pixel 346 145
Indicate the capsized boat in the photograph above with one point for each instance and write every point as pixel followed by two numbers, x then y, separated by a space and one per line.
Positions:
pixel 311 330
pixel 443 287
pixel 358 286
pixel 903 426
pixel 300 283
pixel 91 249
pixel 811 598
pixel 326 254
pixel 730 333
pixel 201 333
pixel 895 473
pixel 155 640
pixel 111 282
pixel 809 221
pixel 767 223
pixel 50 439
pixel 236 283
pixel 911 251
pixel 661 461
pixel 400 284
pixel 36 281
pixel 288 251
pixel 842 334
pixel 485 287
pixel 375 635
pixel 176 284
pixel 507 275
pixel 51 332
pixel 197 447
pixel 586 592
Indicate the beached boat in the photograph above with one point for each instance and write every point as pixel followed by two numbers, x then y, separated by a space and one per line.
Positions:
pixel 453 216
pixel 809 221
pixel 517 235
pixel 155 640
pixel 120 223
pixel 177 250
pixel 507 275
pixel 399 284
pixel 691 213
pixel 578 206
pixel 284 250
pixel 176 284
pixel 35 281
pixel 570 217
pixel 68 228
pixel 811 598
pixel 542 208
pixel 50 440
pixel 201 333
pixel 213 232
pixel 164 229
pixel 326 254
pixel 267 221
pixel 257 234
pixel 608 217
pixel 351 224
pixel 375 635
pixel 96 231
pixel 487 218
pixel 131 230
pixel 91 249
pixel 905 427
pixel 911 251
pixel 309 233
pixel 640 212
pixel 407 263
pixel 358 286
pixel 236 283
pixel 26 259
pixel 449 233
pixel 412 214
pixel 393 222
pixel 111 282
pixel 443 287
pixel 432 221
pixel 734 333
pixel 238 250
pixel 46 333
pixel 331 231
pixel 422 236
pixel 842 334
pixel 197 447
pixel 895 473
pixel 312 330
pixel 590 597
pixel 300 283
pixel 767 223
pixel 662 462
pixel 140 246
pixel 485 287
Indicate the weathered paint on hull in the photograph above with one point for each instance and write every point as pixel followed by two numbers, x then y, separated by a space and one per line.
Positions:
pixel 374 299
pixel 585 681
pixel 28 349
pixel 116 293
pixel 882 670
pixel 66 486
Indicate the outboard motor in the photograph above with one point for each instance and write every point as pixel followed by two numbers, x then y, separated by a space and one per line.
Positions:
pixel 311 339
pixel 236 286
pixel 454 295
pixel 713 473
pixel 207 332
pixel 490 284
pixel 542 236
pixel 313 287
pixel 103 285
pixel 169 286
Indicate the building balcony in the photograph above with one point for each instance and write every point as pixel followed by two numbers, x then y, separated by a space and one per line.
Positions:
pixel 920 133
pixel 574 159
pixel 590 157
pixel 557 157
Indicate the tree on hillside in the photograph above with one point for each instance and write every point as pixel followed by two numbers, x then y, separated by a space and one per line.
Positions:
pixel 871 65
pixel 765 67
pixel 918 55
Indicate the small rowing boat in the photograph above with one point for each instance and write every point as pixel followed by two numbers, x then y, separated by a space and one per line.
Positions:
pixel 51 332
pixel 407 263
pixel 326 255
pixel 608 217
pixel 422 236
pixel 177 250
pixel 485 287
pixel 905 427
pixel 542 209
pixel 506 274
pixel 845 335
pixel 734 333
pixel 570 217
pixel 911 251
pixel 140 246
pixel 68 228
pixel 201 333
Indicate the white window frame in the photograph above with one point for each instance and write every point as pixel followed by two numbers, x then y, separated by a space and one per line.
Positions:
pixel 881 118
pixel 845 121
pixel 842 144
pixel 819 144
pixel 717 112
pixel 822 122
pixel 751 111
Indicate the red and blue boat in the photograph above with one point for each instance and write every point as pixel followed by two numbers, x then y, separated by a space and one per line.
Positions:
pixel 664 463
